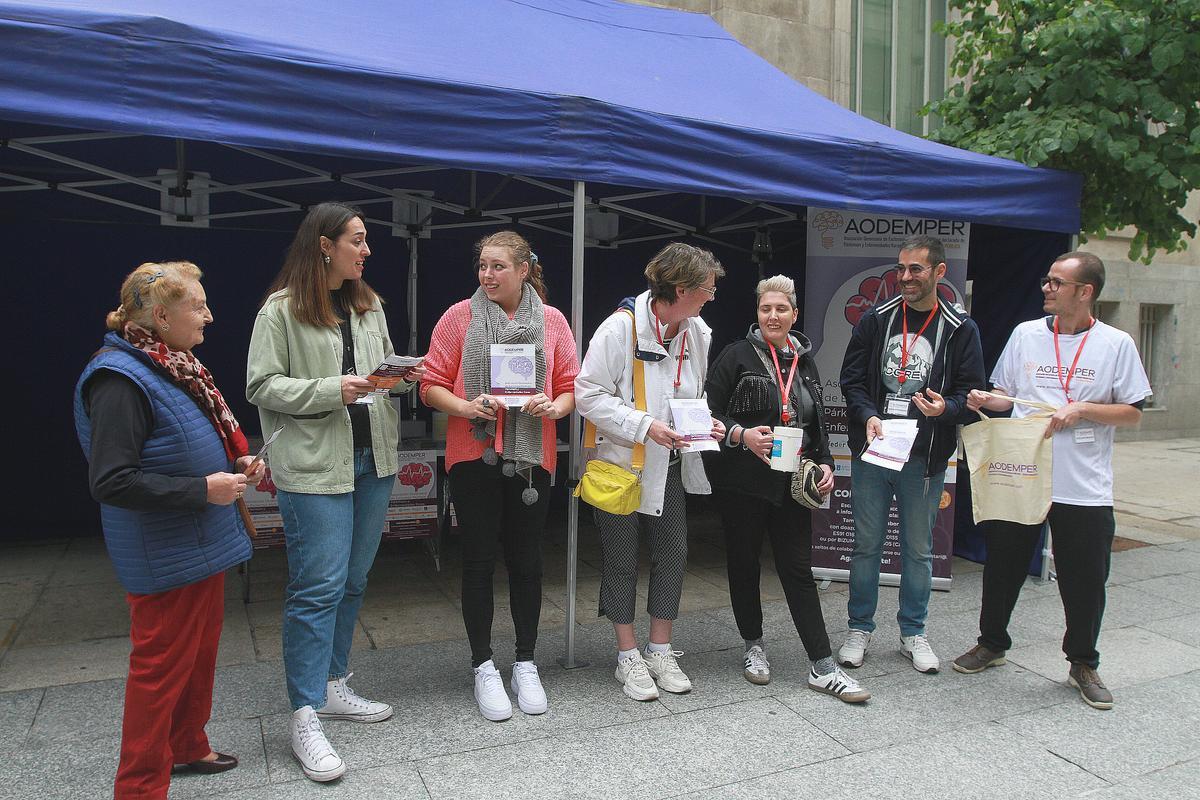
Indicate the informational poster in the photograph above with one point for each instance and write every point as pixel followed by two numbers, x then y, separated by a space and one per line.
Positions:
pixel 850 260
pixel 413 508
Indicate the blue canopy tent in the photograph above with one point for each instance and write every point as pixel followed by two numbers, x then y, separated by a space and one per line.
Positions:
pixel 587 92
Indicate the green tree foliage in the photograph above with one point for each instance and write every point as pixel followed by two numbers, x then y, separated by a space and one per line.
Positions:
pixel 1109 89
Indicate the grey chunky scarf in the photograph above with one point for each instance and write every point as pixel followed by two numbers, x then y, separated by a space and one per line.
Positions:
pixel 490 325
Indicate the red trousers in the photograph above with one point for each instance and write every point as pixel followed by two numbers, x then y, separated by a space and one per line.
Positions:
pixel 168 694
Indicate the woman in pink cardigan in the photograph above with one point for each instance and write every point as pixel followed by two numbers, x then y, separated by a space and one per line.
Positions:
pixel 500 456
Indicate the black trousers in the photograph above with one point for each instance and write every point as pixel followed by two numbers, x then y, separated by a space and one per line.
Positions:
pixel 746 521
pixel 490 513
pixel 1082 544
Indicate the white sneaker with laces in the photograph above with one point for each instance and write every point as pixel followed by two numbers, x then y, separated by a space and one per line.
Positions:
pixel 489 693
pixel 316 755
pixel 854 649
pixel 757 668
pixel 917 648
pixel 665 670
pixel 838 684
pixel 635 678
pixel 527 686
pixel 342 702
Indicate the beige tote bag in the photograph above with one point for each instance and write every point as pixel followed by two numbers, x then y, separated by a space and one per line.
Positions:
pixel 1010 462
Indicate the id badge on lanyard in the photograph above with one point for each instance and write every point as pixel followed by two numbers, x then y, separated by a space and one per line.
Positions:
pixel 897 405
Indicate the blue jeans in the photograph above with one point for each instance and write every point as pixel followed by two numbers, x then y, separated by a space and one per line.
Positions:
pixel 331 545
pixel 872 489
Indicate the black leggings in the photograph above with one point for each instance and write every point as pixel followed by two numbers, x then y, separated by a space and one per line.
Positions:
pixel 746 519
pixel 490 511
pixel 1082 543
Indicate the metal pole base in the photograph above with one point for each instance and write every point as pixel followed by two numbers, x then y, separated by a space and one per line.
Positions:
pixel 566 663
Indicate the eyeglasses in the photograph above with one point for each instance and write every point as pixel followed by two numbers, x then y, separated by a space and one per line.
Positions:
pixel 1057 283
pixel 712 291
pixel 916 270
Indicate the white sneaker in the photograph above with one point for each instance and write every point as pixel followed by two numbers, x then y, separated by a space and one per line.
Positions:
pixel 489 693
pixel 757 668
pixel 854 649
pixel 316 755
pixel 635 678
pixel 341 702
pixel 666 672
pixel 527 686
pixel 838 684
pixel 917 648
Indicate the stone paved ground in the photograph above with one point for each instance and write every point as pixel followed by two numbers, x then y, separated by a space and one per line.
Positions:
pixel 1013 732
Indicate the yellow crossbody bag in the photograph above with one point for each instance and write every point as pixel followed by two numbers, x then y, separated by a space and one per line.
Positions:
pixel 606 486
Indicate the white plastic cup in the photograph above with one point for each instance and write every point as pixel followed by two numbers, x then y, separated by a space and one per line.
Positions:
pixel 785 448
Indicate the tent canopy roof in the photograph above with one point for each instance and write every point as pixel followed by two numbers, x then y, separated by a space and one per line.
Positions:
pixel 594 90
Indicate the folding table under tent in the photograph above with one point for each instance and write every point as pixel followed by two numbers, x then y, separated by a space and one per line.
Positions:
pixel 551 95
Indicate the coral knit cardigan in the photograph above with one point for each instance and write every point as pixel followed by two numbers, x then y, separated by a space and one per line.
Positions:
pixel 444 365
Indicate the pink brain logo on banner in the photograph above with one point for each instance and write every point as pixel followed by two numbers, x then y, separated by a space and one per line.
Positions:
pixel 415 474
pixel 877 288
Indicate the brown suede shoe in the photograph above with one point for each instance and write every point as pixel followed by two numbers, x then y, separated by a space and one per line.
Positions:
pixel 977 659
pixel 222 763
pixel 1091 688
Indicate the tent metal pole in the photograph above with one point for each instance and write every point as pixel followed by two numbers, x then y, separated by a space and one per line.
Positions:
pixel 412 311
pixel 577 231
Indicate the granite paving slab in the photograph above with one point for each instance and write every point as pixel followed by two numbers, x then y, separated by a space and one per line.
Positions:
pixel 1129 656
pixel 1152 726
pixel 978 761
pixel 941 702
pixel 682 752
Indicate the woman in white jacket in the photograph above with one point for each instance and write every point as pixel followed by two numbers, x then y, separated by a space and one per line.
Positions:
pixel 672 342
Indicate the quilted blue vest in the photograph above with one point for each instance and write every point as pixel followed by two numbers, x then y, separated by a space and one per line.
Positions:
pixel 154 551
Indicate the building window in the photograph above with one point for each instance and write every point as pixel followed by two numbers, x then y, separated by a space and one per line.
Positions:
pixel 898 63
pixel 1153 331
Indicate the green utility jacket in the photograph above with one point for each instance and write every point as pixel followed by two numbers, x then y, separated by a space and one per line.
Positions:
pixel 293 375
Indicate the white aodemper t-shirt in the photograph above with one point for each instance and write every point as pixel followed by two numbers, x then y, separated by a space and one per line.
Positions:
pixel 1109 371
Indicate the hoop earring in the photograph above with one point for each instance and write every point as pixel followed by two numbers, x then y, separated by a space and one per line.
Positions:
pixel 325 258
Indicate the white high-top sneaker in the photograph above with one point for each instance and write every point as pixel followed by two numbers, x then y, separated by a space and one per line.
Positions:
pixel 342 702
pixel 316 755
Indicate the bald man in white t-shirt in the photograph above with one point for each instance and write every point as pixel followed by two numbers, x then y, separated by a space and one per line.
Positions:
pixel 1092 373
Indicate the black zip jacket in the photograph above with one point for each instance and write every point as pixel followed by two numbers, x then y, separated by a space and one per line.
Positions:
pixel 957 369
pixel 729 386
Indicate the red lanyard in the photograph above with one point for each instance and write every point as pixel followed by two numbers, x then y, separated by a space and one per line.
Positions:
pixel 902 376
pixel 682 345
pixel 784 388
pixel 1066 384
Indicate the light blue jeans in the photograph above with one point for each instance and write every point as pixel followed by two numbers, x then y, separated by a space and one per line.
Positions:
pixel 872 489
pixel 331 544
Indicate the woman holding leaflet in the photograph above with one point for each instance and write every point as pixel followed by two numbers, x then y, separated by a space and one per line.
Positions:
pixel 661 328
pixel 334 463
pixel 167 460
pixel 501 453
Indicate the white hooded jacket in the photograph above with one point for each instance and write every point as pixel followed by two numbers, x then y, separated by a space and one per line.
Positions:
pixel 604 396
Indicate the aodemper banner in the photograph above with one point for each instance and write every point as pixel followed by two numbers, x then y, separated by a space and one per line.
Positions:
pixel 850 260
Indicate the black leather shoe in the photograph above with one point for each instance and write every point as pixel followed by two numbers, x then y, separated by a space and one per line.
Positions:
pixel 222 763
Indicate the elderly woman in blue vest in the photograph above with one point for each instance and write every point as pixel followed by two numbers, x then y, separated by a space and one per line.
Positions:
pixel 320 327
pixel 166 460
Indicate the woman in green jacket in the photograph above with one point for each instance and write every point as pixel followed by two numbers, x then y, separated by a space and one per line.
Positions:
pixel 334 463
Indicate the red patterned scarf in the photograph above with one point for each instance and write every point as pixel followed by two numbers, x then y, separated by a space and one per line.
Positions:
pixel 197 381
